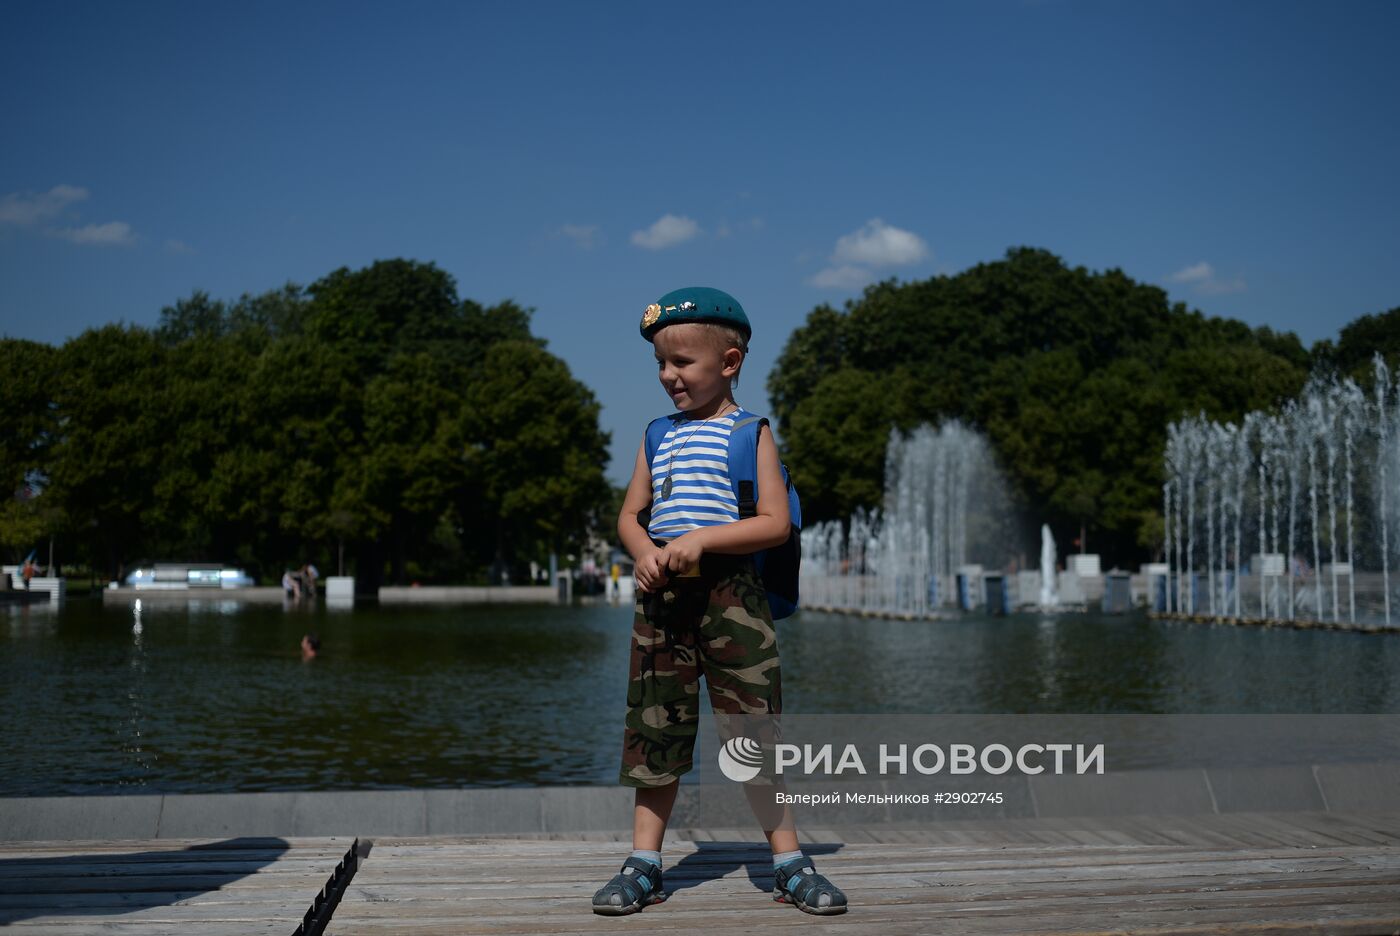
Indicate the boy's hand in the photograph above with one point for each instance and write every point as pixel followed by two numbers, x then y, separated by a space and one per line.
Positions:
pixel 682 553
pixel 650 572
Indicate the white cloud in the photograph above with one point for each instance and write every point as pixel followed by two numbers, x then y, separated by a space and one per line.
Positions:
pixel 27 209
pixel 857 254
pixel 174 245
pixel 1195 273
pixel 586 236
pixel 668 231
pixel 879 244
pixel 1202 277
pixel 31 207
pixel 841 277
pixel 111 234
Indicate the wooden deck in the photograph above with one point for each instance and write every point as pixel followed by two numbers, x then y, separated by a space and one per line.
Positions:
pixel 1239 873
pixel 1295 873
pixel 153 888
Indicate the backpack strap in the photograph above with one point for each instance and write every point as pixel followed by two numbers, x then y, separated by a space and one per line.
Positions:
pixel 777 566
pixel 743 463
pixel 656 433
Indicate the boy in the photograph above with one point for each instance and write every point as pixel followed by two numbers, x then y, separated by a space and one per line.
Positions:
pixel 701 607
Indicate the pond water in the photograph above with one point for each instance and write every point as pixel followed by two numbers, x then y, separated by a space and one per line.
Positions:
pixel 215 697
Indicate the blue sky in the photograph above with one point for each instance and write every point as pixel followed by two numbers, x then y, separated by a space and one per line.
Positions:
pixel 582 159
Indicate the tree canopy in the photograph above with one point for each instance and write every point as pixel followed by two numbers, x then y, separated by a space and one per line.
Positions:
pixel 1353 352
pixel 1073 375
pixel 434 438
pixel 431 437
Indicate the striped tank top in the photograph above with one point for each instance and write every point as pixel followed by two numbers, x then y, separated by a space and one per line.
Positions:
pixel 701 494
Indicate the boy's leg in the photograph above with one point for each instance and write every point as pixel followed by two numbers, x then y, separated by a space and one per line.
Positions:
pixel 650 814
pixel 778 827
pixel 738 653
pixel 663 691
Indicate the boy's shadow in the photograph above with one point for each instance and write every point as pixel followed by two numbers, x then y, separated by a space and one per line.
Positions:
pixel 108 884
pixel 713 860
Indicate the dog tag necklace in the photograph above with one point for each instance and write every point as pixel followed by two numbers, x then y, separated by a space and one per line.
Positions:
pixel 670 462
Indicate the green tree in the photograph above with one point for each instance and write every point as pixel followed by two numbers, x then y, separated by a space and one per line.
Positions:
pixel 110 398
pixel 290 425
pixel 27 422
pixel 1073 375
pixel 534 455
pixel 1360 340
pixel 413 351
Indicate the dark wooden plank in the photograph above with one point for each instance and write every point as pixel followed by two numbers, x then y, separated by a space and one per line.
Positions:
pixel 212 887
pixel 430 888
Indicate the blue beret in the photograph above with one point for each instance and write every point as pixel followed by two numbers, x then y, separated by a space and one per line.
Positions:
pixel 695 304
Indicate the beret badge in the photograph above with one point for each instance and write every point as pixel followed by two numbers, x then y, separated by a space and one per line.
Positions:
pixel 697 305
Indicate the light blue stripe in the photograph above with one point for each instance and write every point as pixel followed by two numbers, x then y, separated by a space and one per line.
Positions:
pixel 701 440
pixel 699 466
pixel 697 455
pixel 681 451
pixel 699 494
pixel 682 489
pixel 688 484
pixel 713 478
pixel 699 473
pixel 682 492
pixel 695 512
pixel 706 503
pixel 715 431
pixel 693 525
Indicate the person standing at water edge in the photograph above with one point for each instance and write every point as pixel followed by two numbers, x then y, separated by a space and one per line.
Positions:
pixel 308 575
pixel 701 606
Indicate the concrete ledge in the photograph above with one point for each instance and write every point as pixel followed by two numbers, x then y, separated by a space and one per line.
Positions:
pixel 226 815
pixel 80 817
pixel 1359 788
pixel 468 594
pixel 1141 792
pixel 586 808
pixel 492 811
pixel 1354 789
pixel 257 594
pixel 391 595
pixel 369 812
pixel 1265 789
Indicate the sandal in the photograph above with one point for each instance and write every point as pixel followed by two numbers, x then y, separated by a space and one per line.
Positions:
pixel 637 885
pixel 797 882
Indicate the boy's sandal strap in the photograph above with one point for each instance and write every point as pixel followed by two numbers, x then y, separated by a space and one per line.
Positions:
pixel 638 883
pixel 799 879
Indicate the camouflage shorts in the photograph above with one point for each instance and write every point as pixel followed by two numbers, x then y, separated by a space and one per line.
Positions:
pixel 717 624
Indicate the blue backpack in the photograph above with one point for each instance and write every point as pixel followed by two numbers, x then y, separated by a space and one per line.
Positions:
pixel 778 565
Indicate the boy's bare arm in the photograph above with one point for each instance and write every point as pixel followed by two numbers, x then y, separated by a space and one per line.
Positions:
pixel 629 530
pixel 772 523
